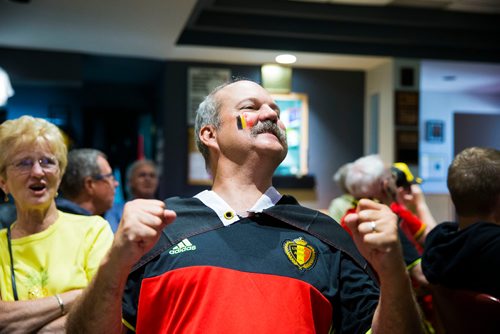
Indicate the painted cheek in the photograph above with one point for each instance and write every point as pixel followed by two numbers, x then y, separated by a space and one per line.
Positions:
pixel 251 118
pixel 246 120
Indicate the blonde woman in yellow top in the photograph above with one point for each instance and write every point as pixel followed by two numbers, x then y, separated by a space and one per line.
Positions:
pixel 46 256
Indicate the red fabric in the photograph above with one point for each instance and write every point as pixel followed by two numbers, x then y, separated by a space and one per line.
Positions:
pixel 205 299
pixel 411 225
pixel 342 222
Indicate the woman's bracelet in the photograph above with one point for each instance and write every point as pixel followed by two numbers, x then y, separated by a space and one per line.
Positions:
pixel 61 304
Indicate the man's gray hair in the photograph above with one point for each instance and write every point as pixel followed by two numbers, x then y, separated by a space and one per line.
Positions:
pixel 365 176
pixel 82 163
pixel 340 176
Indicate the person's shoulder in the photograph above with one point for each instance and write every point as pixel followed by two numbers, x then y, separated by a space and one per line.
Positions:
pixel 344 198
pixel 184 203
pixel 82 227
pixel 117 208
pixel 82 220
pixel 444 228
pixel 311 220
pixel 68 206
pixel 448 234
pixel 441 232
pixel 452 228
pixel 486 226
pixel 483 233
pixel 319 225
pixel 288 202
pixel 182 200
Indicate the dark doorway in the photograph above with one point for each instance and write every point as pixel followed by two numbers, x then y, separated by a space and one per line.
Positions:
pixel 476 130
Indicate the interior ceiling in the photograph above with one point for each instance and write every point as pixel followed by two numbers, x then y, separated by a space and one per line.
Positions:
pixel 478 6
pixel 394 30
pixel 323 34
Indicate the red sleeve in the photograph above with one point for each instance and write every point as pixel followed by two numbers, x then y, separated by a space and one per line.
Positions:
pixel 410 223
pixel 342 222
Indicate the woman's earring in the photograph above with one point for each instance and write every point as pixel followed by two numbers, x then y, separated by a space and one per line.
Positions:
pixel 6 198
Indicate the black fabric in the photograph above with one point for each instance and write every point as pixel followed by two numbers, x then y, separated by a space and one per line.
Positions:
pixel 410 253
pixel 286 210
pixel 319 225
pixel 193 223
pixel 464 259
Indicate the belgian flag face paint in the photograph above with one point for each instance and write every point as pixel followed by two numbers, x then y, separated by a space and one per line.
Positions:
pixel 246 120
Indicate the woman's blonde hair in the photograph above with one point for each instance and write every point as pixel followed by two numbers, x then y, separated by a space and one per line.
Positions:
pixel 28 130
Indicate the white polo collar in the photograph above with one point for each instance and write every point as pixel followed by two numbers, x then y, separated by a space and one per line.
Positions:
pixel 228 215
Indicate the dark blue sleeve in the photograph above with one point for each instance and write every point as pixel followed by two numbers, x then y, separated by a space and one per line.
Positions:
pixel 358 298
pixel 410 253
pixel 130 299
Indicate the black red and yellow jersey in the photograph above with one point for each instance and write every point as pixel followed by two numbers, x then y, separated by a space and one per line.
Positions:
pixel 257 275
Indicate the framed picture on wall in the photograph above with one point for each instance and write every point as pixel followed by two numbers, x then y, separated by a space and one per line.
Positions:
pixel 201 81
pixel 295 115
pixel 434 131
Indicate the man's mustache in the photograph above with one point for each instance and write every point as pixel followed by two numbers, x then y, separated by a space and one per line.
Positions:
pixel 269 127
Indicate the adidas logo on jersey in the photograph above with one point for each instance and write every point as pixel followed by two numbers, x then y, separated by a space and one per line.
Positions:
pixel 182 246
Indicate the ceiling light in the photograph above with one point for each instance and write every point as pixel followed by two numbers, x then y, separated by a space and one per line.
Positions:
pixel 286 59
pixel 363 2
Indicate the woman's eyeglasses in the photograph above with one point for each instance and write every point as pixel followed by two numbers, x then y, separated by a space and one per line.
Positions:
pixel 25 165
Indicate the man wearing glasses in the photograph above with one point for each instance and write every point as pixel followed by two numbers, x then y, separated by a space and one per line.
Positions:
pixel 88 186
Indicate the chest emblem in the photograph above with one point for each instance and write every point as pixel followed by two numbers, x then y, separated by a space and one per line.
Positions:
pixel 300 253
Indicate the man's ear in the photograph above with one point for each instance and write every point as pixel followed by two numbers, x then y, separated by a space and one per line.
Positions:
pixel 208 135
pixel 88 184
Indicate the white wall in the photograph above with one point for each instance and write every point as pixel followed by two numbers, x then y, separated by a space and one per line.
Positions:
pixel 380 80
pixel 442 106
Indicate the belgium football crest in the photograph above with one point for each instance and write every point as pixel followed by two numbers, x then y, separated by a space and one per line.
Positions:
pixel 300 253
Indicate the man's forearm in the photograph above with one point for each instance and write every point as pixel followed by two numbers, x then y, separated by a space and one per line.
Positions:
pixel 397 311
pixel 375 233
pixel 99 308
